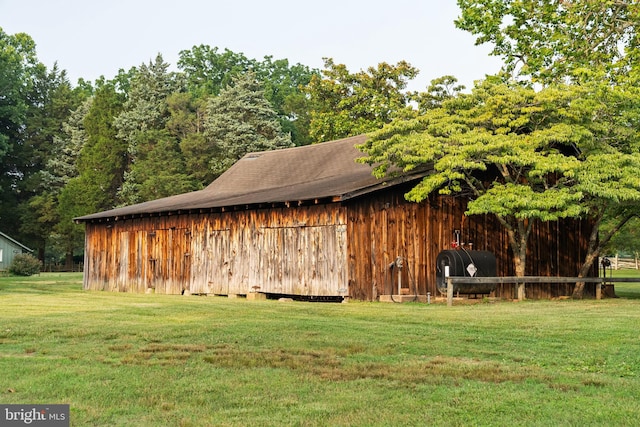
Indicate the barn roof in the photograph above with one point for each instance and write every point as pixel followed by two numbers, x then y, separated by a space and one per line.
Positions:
pixel 15 242
pixel 292 175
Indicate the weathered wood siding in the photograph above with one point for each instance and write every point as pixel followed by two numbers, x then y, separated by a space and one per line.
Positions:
pixel 296 251
pixel 385 226
pixel 328 249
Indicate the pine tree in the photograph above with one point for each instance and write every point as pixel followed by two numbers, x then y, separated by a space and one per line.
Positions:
pixel 142 125
pixel 240 120
pixel 101 164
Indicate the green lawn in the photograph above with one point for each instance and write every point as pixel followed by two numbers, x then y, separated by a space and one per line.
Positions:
pixel 154 360
pixel 626 290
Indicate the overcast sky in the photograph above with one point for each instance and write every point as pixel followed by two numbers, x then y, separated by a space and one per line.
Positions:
pixel 92 38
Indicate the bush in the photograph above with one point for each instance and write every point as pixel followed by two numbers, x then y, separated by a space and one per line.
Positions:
pixel 24 265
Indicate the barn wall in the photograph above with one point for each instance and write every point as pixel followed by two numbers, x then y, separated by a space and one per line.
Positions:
pixel 8 251
pixel 321 250
pixel 385 226
pixel 298 251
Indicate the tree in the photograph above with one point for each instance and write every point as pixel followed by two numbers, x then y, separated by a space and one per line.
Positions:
pixel 608 176
pixel 34 101
pixel 512 150
pixel 62 165
pixel 283 86
pixel 17 61
pixel 207 71
pixel 146 106
pixel 626 241
pixel 345 104
pixel 550 40
pixel 51 100
pixel 439 90
pixel 144 117
pixel 159 171
pixel 240 120
pixel 591 43
pixel 103 158
pixel 101 164
pixel 523 156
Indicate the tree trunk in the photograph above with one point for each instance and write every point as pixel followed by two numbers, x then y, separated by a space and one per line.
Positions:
pixel 520 268
pixel 68 261
pixel 518 242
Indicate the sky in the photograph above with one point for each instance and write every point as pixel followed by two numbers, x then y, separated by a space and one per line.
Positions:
pixel 91 38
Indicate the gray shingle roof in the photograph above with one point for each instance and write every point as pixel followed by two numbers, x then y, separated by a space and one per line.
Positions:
pixel 311 172
pixel 15 242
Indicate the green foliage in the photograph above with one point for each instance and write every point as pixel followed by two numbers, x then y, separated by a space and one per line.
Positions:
pixel 345 104
pixel 34 102
pixel 156 107
pixel 595 45
pixel 91 168
pixel 102 159
pixel 62 165
pixel 283 85
pixel 146 105
pixel 17 59
pixel 208 71
pixel 439 90
pixel 25 265
pixel 240 120
pixel 158 171
pixel 512 132
pixel 627 240
pixel 551 40
pixel 52 99
pixel 17 62
pixel 517 153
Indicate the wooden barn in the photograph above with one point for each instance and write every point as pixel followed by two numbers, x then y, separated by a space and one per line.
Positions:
pixel 311 223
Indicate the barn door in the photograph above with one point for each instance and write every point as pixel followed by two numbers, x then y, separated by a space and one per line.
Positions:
pixel 169 260
pixel 175 260
pixel 218 262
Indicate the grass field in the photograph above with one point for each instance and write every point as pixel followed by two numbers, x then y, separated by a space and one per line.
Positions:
pixel 154 360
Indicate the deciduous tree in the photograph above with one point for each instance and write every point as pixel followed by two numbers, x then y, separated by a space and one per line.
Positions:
pixel 208 71
pixel 509 149
pixel 17 62
pixel 550 40
pixel 523 156
pixel 345 104
pixel 590 43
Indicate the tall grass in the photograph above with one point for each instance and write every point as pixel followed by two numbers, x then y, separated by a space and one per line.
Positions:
pixel 154 360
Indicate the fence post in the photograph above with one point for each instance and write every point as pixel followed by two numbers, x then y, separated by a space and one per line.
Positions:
pixel 449 292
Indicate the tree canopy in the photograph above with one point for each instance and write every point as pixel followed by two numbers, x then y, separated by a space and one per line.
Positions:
pixel 509 149
pixel 551 40
pixel 241 121
pixel 347 104
pixel 555 135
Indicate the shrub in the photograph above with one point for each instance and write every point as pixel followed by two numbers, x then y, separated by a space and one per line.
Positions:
pixel 24 265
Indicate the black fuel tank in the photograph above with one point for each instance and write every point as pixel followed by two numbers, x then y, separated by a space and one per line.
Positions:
pixel 463 263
